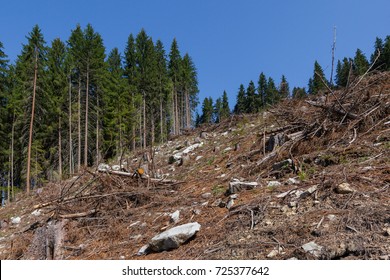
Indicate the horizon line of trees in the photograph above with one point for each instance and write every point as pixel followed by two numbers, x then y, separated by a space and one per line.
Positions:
pixel 255 99
pixel 70 105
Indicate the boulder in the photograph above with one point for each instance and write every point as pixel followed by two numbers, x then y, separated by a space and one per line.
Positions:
pixel 174 237
pixel 275 141
pixel 312 248
pixel 175 216
pixel 344 188
pixel 104 167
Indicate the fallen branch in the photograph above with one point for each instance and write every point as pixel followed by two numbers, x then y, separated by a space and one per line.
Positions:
pixel 153 180
pixel 78 215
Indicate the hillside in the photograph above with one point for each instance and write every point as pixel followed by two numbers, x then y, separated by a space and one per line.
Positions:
pixel 307 172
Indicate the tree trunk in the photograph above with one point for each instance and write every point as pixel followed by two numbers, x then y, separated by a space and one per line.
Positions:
pixel 59 149
pixel 70 127
pixel 188 111
pixel 144 120
pixel 161 121
pixel 86 121
pixel 31 123
pixel 97 130
pixel 12 156
pixel 79 128
pixel 173 124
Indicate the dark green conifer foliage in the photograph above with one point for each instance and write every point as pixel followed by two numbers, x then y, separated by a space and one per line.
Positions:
pixel 217 110
pixel 318 81
pixel 261 91
pixel 225 110
pixel 272 94
pixel 239 108
pixel 360 63
pixel 299 92
pixel 343 71
pixel 284 88
pixel 250 103
pixel 207 110
pixel 4 123
pixel 174 74
pixel 378 62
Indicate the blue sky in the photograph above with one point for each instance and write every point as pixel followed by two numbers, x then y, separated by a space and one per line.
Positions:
pixel 230 42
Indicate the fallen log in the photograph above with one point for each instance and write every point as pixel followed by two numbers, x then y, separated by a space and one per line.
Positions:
pixel 153 180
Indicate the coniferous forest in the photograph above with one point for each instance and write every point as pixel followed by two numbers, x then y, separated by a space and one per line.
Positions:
pixel 66 105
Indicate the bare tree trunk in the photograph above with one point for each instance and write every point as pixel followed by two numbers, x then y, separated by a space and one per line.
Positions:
pixel 177 119
pixel 79 128
pixel 97 131
pixel 188 111
pixel 152 130
pixel 31 123
pixel 86 121
pixel 161 121
pixel 70 126
pixel 173 114
pixel 9 181
pixel 333 49
pixel 59 149
pixel 144 120
pixel 12 156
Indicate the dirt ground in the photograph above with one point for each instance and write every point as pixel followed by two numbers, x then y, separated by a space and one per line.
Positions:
pixel 322 166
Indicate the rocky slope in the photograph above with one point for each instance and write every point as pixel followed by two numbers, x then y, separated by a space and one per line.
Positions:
pixel 306 179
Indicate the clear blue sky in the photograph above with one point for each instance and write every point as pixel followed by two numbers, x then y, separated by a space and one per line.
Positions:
pixel 231 42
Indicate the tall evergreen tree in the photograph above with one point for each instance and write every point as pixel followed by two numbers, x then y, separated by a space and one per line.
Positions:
pixel 217 110
pixel 272 94
pixel 174 73
pixel 225 110
pixel 317 82
pixel 298 92
pixel 4 124
pixel 189 80
pixel 31 71
pixel 284 88
pixel 360 63
pixel 207 110
pixel 379 63
pixel 343 70
pixel 239 108
pixel 262 91
pixel 251 98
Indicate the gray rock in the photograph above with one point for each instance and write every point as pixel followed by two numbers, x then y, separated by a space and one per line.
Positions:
pixel 206 195
pixel 273 253
pixel 275 141
pixel 293 181
pixel 217 203
pixel 273 184
pixel 204 135
pixel 116 167
pixel 36 213
pixel 198 158
pixel 309 191
pixel 175 216
pixel 174 237
pixel 144 250
pixel 234 196
pixel 230 204
pixel 343 188
pixel 312 248
pixel 104 167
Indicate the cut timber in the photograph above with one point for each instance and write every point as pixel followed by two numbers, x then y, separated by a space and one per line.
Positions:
pixel 153 180
pixel 78 215
pixel 340 112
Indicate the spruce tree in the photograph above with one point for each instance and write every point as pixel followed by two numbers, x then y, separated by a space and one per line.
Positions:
pixel 379 63
pixel 261 91
pixel 284 88
pixel 299 92
pixel 343 70
pixel 189 83
pixel 272 94
pixel 317 82
pixel 4 123
pixel 225 110
pixel 207 110
pixel 239 108
pixel 360 63
pixel 217 110
pixel 174 74
pixel 250 104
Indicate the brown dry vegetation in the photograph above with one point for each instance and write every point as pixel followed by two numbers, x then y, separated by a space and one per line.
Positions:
pixel 338 137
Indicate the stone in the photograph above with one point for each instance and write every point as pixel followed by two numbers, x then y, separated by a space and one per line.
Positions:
pixel 174 237
pixel 344 188
pixel 331 217
pixel 116 167
pixel 234 196
pixel 36 213
pixel 104 167
pixel 273 184
pixel 273 253
pixel 185 160
pixel 206 195
pixel 204 135
pixel 230 204
pixel 198 158
pixel 309 191
pixel 312 248
pixel 15 220
pixel 293 181
pixel 144 250
pixel 275 141
pixel 175 216
pixel 227 149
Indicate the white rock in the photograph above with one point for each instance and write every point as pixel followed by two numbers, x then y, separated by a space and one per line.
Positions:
pixel 234 196
pixel 206 195
pixel 15 220
pixel 144 250
pixel 273 253
pixel 272 184
pixel 175 216
pixel 331 217
pixel 230 203
pixel 228 149
pixel 104 167
pixel 116 167
pixel 312 248
pixel 174 237
pixel 293 181
pixel 36 213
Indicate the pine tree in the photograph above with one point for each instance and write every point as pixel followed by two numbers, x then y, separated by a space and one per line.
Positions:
pixel 4 124
pixel 379 63
pixel 189 82
pixel 217 110
pixel 317 82
pixel 57 87
pixel 360 63
pixel 272 94
pixel 207 110
pixel 343 70
pixel 225 110
pixel 261 91
pixel 239 108
pixel 31 65
pixel 298 92
pixel 250 104
pixel 284 88
pixel 386 53
pixel 174 74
